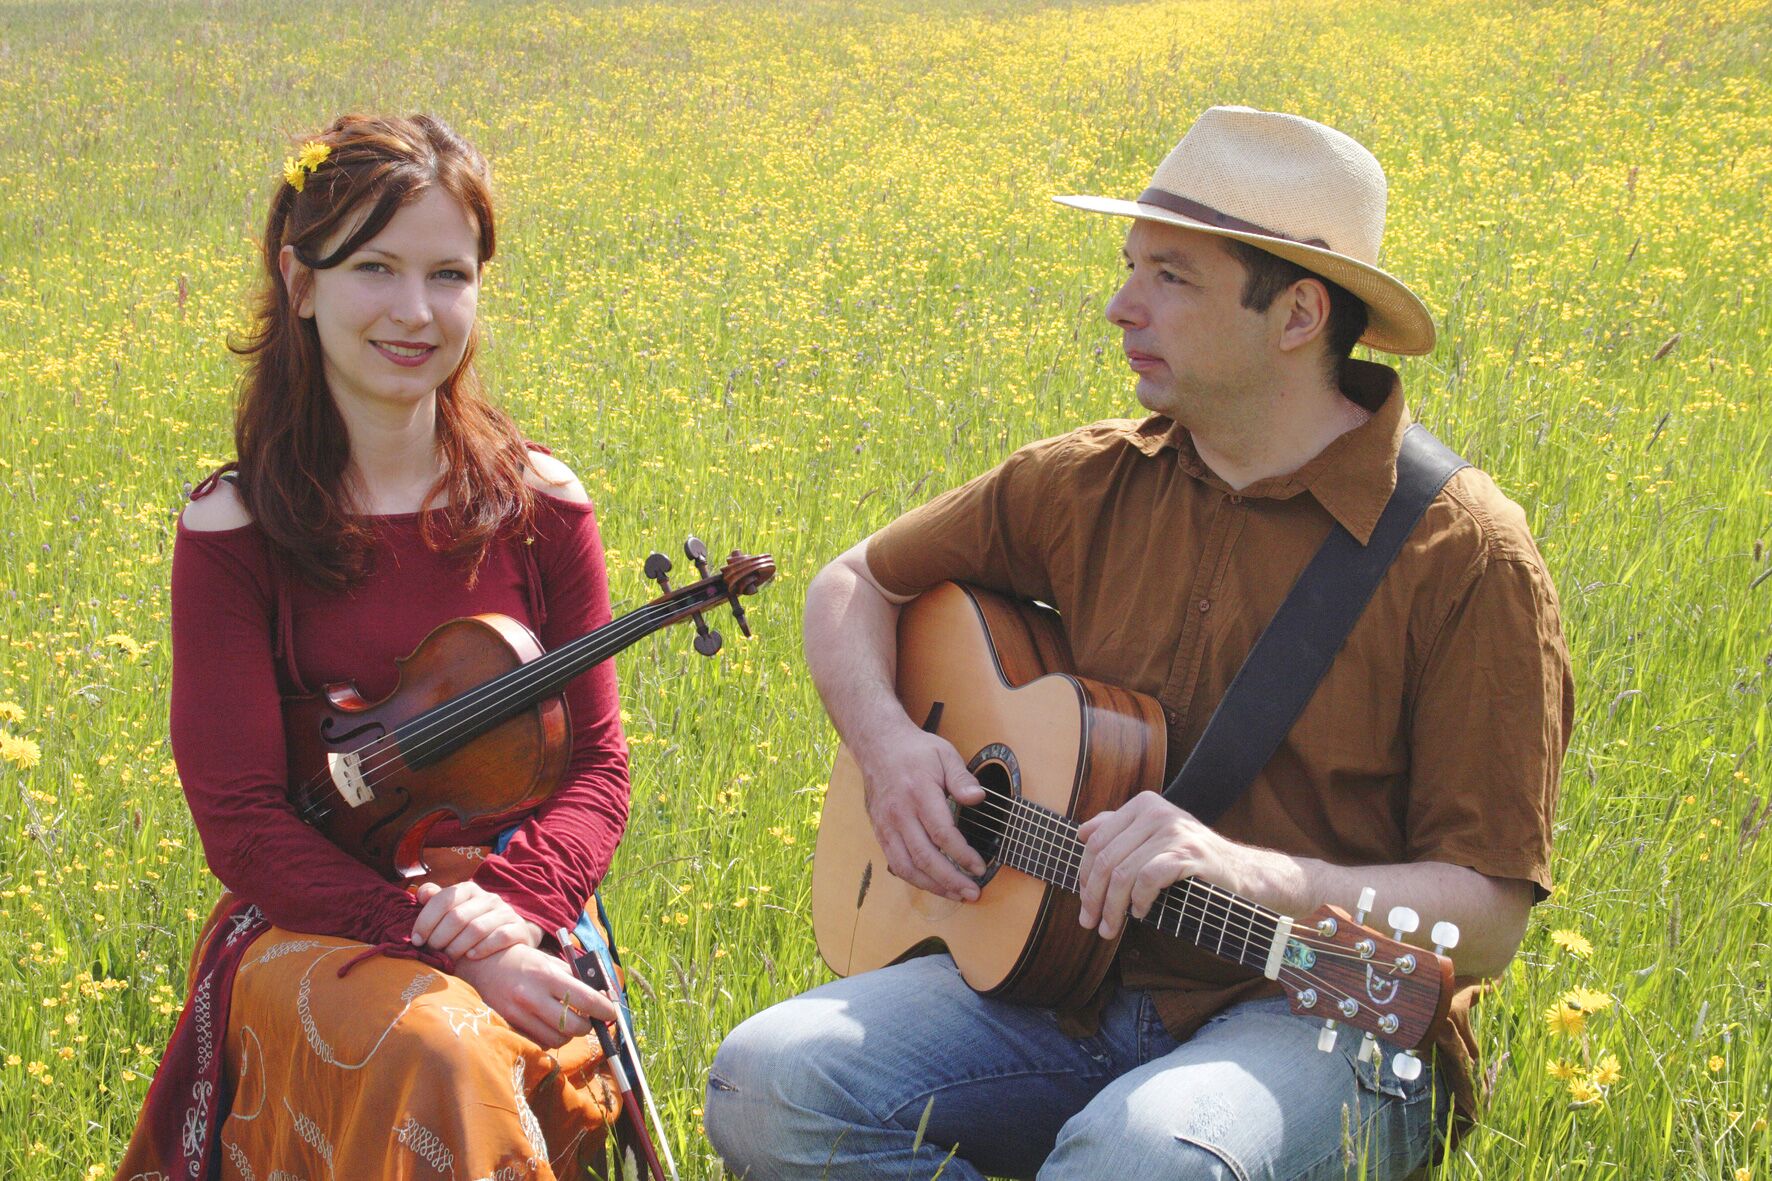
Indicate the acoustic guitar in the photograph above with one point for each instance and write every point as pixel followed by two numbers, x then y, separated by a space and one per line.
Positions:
pixel 1051 749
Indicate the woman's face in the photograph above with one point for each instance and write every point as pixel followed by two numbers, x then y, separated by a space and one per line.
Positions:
pixel 394 318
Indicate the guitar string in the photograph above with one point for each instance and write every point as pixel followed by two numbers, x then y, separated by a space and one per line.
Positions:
pixel 1061 844
pixel 1286 974
pixel 486 698
pixel 1219 905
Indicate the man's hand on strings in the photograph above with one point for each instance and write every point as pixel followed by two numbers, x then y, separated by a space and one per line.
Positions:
pixel 1132 852
pixel 468 922
pixel 907 786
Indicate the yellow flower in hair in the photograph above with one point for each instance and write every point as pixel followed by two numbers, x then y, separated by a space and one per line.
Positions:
pixel 294 173
pixel 313 154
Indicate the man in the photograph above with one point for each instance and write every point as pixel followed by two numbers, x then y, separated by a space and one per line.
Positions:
pixel 1427 758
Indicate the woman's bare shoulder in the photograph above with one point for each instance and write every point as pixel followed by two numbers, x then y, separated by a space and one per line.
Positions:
pixel 549 475
pixel 220 508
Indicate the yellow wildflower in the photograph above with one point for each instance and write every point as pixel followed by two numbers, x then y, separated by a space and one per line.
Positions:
pixel 1744 1174
pixel 1715 1063
pixel 11 711
pixel 1759 1124
pixel 313 154
pixel 1561 1018
pixel 20 752
pixel 1607 1072
pixel 128 644
pixel 1584 1094
pixel 1560 1070
pixel 1572 942
pixel 294 174
pixel 1587 1000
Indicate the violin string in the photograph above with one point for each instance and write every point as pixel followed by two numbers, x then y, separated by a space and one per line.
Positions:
pixel 484 699
pixel 1060 844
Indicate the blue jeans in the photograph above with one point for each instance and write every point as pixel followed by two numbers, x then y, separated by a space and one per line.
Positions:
pixel 835 1083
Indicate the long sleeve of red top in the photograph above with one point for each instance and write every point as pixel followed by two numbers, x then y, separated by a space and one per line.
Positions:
pixel 227 726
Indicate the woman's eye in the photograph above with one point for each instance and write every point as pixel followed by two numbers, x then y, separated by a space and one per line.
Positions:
pixel 372 267
pixel 453 276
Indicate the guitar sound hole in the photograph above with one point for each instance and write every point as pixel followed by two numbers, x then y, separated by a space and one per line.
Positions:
pixel 982 824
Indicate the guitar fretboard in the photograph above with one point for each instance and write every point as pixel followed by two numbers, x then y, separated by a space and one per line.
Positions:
pixel 1044 844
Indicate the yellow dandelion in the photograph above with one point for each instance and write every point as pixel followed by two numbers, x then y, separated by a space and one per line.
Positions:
pixel 11 711
pixel 1607 1072
pixel 313 154
pixel 1715 1063
pixel 125 643
pixel 294 174
pixel 1560 1070
pixel 20 752
pixel 1744 1174
pixel 1583 1093
pixel 1560 1018
pixel 1588 1000
pixel 1759 1124
pixel 1572 942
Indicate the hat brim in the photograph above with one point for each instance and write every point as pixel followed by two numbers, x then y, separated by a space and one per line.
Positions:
pixel 1397 321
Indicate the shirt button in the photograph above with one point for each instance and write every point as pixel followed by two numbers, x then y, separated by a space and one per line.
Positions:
pixel 1235 499
pixel 1205 606
pixel 1170 716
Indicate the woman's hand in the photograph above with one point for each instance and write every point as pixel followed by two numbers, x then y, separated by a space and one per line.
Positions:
pixel 467 922
pixel 537 994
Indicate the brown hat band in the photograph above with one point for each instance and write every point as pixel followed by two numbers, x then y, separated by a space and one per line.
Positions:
pixel 1174 203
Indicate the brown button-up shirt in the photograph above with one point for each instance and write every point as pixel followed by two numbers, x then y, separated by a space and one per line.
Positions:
pixel 1436 735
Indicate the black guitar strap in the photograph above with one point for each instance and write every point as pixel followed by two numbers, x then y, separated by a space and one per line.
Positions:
pixel 1296 648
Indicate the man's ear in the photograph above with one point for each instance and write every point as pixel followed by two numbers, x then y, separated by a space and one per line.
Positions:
pixel 1307 314
pixel 291 269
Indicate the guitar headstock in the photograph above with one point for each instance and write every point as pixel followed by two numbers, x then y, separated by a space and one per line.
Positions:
pixel 1338 968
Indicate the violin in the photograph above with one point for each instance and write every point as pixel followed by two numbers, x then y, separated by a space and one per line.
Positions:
pixel 475 729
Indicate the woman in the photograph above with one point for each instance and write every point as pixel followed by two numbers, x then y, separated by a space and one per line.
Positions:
pixel 377 495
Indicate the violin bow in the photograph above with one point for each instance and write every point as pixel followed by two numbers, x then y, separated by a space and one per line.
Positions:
pixel 590 967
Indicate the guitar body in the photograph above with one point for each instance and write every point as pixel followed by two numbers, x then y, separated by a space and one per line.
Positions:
pixel 989 675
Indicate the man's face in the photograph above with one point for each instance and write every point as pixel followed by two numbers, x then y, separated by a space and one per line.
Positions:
pixel 1195 347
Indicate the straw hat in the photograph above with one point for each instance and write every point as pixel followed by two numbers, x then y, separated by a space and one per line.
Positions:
pixel 1291 187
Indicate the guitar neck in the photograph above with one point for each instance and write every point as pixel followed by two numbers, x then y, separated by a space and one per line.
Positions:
pixel 1044 844
pixel 447 727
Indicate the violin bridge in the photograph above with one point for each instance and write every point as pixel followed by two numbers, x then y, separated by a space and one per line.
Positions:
pixel 347 775
pixel 1276 954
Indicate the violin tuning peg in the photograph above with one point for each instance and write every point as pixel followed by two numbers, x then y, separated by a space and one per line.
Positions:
pixel 1445 937
pixel 657 566
pixel 1403 921
pixel 696 552
pixel 708 642
pixel 1406 1066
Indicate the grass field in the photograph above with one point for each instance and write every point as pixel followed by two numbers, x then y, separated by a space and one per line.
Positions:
pixel 774 274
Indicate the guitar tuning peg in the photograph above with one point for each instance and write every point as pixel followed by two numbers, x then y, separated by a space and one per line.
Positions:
pixel 1406 1066
pixel 1368 897
pixel 1326 1037
pixel 1403 922
pixel 1445 937
pixel 1368 1048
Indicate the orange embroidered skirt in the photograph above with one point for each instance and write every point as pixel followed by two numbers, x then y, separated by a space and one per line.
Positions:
pixel 396 1070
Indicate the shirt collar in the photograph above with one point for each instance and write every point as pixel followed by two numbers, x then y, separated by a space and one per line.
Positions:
pixel 1352 477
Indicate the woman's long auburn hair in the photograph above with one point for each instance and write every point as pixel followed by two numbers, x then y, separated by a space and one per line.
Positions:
pixel 289 437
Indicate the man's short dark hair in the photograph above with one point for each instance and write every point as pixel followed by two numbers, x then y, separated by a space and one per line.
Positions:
pixel 1266 275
